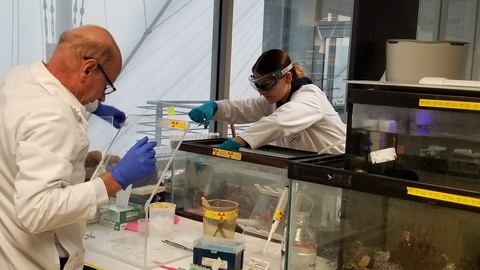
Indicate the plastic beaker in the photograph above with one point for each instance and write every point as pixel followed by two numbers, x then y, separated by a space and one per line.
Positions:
pixel 220 218
pixel 162 215
pixel 141 226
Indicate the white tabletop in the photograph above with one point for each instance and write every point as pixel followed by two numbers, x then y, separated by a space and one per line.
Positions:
pixel 186 231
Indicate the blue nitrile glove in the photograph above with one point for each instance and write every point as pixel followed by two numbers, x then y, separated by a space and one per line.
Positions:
pixel 204 113
pixel 199 166
pixel 138 163
pixel 105 110
pixel 230 144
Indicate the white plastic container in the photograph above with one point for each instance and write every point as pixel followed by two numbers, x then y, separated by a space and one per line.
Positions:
pixel 160 224
pixel 408 61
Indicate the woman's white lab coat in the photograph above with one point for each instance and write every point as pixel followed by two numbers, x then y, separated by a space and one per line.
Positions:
pixel 308 121
pixel 43 200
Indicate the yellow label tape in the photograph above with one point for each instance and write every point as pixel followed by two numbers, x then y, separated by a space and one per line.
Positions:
pixel 278 214
pixel 177 124
pixel 441 196
pixel 92 266
pixel 171 111
pixel 220 215
pixel 449 104
pixel 163 205
pixel 226 154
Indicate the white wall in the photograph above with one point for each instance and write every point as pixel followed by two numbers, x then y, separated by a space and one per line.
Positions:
pixel 21 35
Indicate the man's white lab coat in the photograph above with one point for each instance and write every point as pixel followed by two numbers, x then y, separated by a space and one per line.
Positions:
pixel 43 200
pixel 308 121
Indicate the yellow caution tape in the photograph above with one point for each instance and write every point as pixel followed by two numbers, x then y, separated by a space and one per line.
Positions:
pixel 177 124
pixel 449 104
pixel 220 215
pixel 278 214
pixel 441 196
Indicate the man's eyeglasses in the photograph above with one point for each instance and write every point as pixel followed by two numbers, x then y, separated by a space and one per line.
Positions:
pixel 267 82
pixel 109 88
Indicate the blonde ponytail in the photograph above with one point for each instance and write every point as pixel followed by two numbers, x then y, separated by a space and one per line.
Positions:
pixel 298 70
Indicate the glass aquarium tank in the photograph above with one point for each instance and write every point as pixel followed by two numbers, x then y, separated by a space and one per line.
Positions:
pixel 406 195
pixel 202 170
pixel 419 133
pixel 368 221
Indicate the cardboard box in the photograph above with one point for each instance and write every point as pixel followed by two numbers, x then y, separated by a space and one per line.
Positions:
pixel 116 217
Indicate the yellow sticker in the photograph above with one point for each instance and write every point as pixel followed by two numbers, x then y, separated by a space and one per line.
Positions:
pixel 441 196
pixel 163 205
pixel 171 111
pixel 449 104
pixel 177 124
pixel 278 214
pixel 226 154
pixel 220 215
pixel 92 266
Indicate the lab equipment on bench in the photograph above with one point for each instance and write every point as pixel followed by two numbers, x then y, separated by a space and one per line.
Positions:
pixel 219 218
pixel 277 216
pixel 218 252
pixel 144 250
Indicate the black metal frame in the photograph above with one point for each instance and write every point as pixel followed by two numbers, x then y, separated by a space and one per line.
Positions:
pixel 205 147
pixel 374 184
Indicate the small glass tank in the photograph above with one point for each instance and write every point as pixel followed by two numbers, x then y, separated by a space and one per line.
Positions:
pixel 433 133
pixel 202 171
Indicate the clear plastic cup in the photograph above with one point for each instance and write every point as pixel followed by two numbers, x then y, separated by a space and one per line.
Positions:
pixel 220 218
pixel 160 225
pixel 141 226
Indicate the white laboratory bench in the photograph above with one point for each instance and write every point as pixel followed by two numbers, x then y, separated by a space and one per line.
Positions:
pixel 186 231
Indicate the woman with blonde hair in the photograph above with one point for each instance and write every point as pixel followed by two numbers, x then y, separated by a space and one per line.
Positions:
pixel 291 110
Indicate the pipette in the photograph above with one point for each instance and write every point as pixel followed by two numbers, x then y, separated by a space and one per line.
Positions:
pixel 277 216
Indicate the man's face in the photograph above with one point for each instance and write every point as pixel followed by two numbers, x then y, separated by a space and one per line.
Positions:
pixel 98 81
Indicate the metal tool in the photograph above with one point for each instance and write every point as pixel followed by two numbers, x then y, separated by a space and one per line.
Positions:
pixel 177 245
pixel 202 123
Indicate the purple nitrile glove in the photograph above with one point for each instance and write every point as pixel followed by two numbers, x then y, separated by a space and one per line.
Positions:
pixel 138 163
pixel 105 110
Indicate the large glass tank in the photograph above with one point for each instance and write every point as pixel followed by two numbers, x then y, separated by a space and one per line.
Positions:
pixel 368 221
pixel 419 133
pixel 201 169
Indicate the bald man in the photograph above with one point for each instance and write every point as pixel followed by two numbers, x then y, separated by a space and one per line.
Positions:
pixel 44 201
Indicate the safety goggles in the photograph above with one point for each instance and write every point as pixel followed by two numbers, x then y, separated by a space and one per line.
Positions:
pixel 267 82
